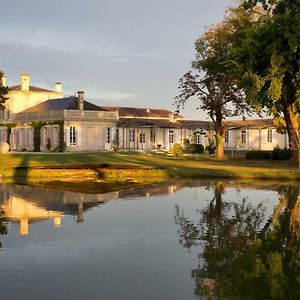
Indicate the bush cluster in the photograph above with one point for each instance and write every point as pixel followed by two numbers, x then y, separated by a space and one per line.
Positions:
pixel 258 154
pixel 211 149
pixel 281 154
pixel 176 150
pixel 195 148
pixel 276 154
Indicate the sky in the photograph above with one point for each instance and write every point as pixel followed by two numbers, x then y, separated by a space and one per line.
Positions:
pixel 120 52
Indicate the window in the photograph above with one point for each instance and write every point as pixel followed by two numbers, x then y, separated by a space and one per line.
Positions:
pixel 131 135
pixel 142 138
pixel 171 136
pixel 108 135
pixel 72 136
pixel 270 136
pixel 45 135
pixel 55 135
pixel 117 137
pixel 243 137
pixel 152 133
pixel 21 136
pixel 227 136
pixel 197 137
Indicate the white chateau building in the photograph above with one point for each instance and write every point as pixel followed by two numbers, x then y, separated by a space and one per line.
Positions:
pixel 45 120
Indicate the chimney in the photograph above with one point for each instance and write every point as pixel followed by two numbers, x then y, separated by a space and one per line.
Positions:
pixel 57 86
pixel 25 82
pixel 3 81
pixel 172 118
pixel 80 99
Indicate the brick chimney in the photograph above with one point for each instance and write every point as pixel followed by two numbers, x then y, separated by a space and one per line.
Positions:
pixel 25 82
pixel 57 87
pixel 80 99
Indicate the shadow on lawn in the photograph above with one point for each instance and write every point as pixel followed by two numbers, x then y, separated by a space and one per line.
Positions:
pixel 20 175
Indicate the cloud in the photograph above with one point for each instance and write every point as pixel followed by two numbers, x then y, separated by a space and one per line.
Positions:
pixel 73 43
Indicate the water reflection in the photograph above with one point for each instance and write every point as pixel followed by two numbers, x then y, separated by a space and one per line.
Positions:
pixel 243 256
pixel 24 205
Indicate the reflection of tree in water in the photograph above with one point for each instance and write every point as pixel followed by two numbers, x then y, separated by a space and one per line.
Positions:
pixel 3 229
pixel 239 260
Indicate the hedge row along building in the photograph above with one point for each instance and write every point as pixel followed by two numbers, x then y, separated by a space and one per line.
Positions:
pixel 37 119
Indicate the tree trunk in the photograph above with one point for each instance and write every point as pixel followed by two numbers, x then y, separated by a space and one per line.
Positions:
pixel 219 138
pixel 292 126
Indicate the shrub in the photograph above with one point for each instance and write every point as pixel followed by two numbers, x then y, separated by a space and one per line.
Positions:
pixel 196 148
pixel 281 154
pixel 257 154
pixel 176 150
pixel 211 149
pixel 206 153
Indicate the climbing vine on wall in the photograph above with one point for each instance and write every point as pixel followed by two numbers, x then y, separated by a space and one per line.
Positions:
pixel 9 126
pixel 37 134
pixel 61 142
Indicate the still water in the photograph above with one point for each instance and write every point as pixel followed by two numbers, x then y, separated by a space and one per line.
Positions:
pixel 177 240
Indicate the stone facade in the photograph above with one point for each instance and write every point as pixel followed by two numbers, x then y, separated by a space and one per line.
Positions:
pixel 88 127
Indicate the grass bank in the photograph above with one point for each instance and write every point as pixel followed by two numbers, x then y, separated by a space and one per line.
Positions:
pixel 134 166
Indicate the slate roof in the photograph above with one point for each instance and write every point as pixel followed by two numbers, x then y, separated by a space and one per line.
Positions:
pixel 195 124
pixel 257 123
pixel 31 88
pixel 70 103
pixel 135 122
pixel 139 112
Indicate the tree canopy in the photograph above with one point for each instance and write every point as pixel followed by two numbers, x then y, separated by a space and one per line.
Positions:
pixel 3 92
pixel 212 82
pixel 266 56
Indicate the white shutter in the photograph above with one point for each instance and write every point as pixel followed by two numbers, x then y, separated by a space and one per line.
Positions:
pixel 112 135
pixel 68 136
pixel 78 136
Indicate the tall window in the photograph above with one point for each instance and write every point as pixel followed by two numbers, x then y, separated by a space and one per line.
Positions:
pixel 142 138
pixel 243 137
pixel 72 136
pixel 45 135
pixel 197 137
pixel 22 136
pixel 131 135
pixel 226 136
pixel 55 135
pixel 171 136
pixel 270 136
pixel 108 135
pixel 152 133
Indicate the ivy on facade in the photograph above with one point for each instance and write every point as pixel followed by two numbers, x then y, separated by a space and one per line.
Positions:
pixel 37 134
pixel 9 126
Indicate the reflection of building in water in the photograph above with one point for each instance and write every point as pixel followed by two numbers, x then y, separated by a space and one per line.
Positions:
pixel 24 205
pixel 18 210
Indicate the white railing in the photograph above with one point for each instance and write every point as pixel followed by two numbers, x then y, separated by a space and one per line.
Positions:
pixel 65 115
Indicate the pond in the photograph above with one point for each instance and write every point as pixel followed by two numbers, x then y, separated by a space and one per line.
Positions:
pixel 175 240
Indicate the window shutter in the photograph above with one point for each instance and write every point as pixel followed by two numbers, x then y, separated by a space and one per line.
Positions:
pixel 68 136
pixel 78 136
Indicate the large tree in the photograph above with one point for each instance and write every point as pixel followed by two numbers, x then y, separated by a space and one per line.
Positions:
pixel 212 82
pixel 3 92
pixel 268 62
pixel 242 255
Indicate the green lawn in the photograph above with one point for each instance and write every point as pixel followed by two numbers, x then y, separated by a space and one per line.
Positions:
pixel 181 167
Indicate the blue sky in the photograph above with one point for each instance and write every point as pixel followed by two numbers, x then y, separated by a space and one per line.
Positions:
pixel 120 52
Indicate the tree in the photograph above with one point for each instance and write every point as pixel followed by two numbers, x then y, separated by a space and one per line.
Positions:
pixel 268 64
pixel 242 256
pixel 3 92
pixel 213 84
